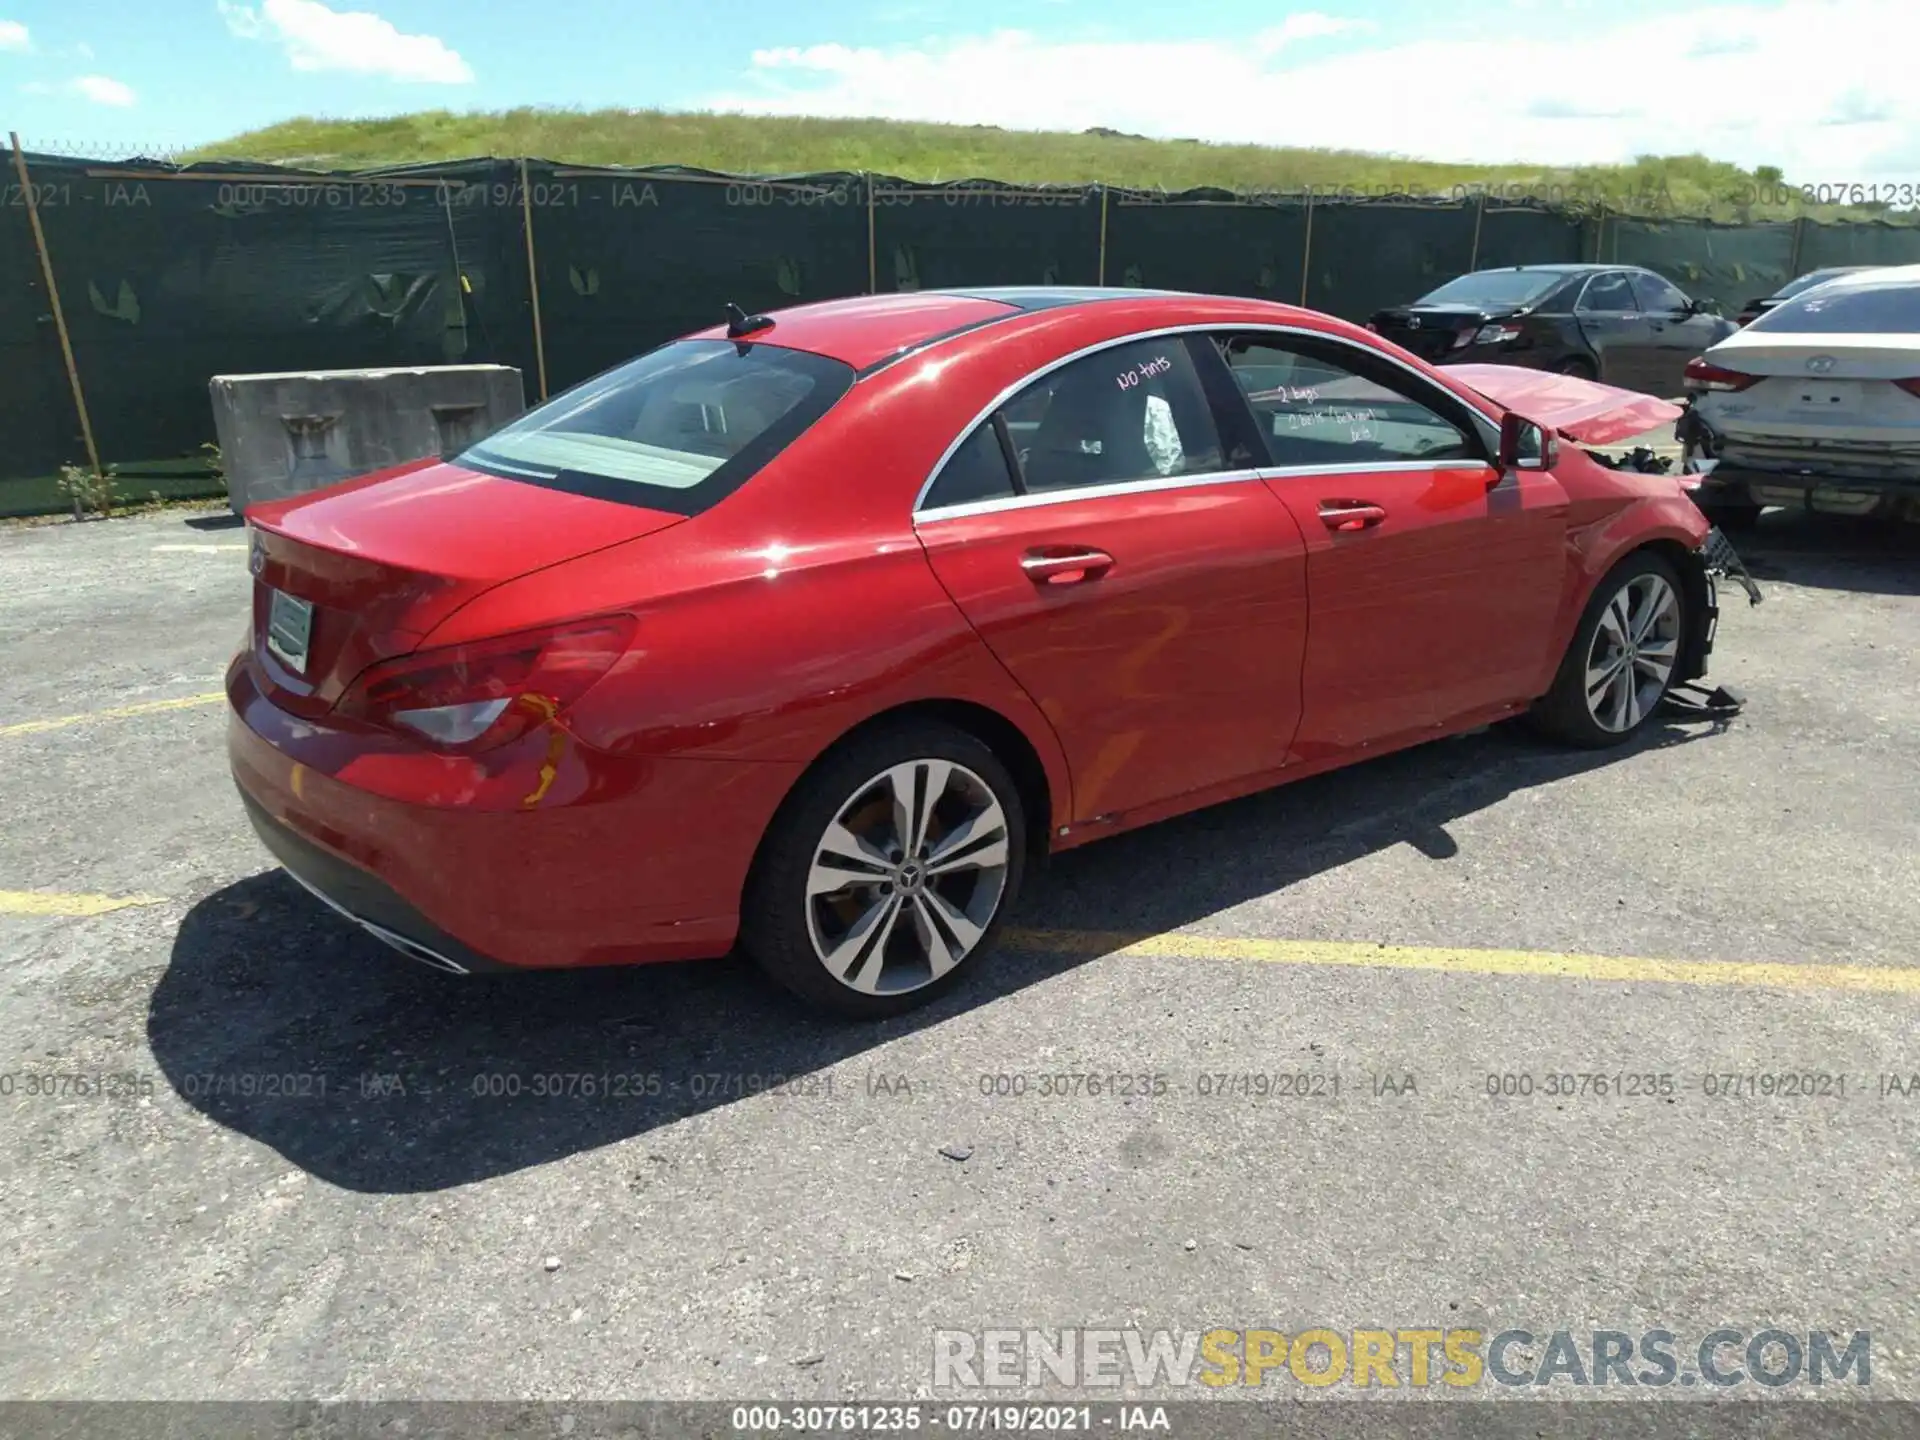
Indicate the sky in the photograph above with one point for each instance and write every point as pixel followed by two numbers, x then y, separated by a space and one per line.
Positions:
pixel 1824 89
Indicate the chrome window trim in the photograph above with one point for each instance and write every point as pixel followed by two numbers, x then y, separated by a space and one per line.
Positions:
pixel 1184 482
pixel 1201 328
pixel 1083 492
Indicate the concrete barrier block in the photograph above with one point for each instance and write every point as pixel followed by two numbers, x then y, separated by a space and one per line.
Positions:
pixel 298 431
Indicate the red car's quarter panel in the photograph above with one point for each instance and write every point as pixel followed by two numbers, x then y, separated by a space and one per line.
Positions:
pixel 1176 669
pixel 550 855
pixel 1443 608
pixel 385 558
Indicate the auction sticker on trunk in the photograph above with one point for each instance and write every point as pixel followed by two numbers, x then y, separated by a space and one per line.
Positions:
pixel 1824 399
pixel 289 627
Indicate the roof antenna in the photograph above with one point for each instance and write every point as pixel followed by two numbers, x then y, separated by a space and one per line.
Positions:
pixel 740 323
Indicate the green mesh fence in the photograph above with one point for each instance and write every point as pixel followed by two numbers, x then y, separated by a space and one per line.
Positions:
pixel 1205 240
pixel 1729 264
pixel 981 233
pixel 170 275
pixel 1822 245
pixel 629 259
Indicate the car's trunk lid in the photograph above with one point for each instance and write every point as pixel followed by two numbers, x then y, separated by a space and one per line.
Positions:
pixel 1432 331
pixel 1818 357
pixel 364 571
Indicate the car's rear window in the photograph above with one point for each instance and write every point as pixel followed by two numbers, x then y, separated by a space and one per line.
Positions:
pixel 1494 287
pixel 1806 282
pixel 1891 309
pixel 676 429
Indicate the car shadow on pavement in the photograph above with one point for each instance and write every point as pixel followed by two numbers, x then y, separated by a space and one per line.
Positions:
pixel 285 1023
pixel 1830 552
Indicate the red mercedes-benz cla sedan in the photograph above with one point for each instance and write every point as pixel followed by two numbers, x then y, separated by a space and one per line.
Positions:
pixel 813 631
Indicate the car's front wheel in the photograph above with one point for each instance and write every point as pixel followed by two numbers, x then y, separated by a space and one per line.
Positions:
pixel 887 871
pixel 1623 658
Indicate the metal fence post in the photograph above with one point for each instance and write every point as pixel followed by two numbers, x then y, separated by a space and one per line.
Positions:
pixel 1479 213
pixel 59 315
pixel 873 254
pixel 1799 235
pixel 533 278
pixel 1306 249
pixel 1103 236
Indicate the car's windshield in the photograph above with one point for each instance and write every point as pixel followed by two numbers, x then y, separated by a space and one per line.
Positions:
pixel 1884 309
pixel 675 429
pixel 1495 287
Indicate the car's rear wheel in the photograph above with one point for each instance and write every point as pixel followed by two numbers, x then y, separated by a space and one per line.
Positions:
pixel 1623 658
pixel 1579 368
pixel 887 872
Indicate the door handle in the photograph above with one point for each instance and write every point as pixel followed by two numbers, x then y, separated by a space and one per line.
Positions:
pixel 1065 566
pixel 1350 515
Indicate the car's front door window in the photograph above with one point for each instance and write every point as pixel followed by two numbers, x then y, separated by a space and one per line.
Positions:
pixel 1314 409
pixel 1659 297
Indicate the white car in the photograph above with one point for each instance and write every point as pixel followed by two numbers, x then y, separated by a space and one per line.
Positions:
pixel 1815 405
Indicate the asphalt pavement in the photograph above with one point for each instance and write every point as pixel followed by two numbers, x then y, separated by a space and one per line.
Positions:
pixel 311 1169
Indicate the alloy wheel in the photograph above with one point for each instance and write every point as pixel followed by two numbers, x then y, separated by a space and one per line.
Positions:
pixel 907 877
pixel 1634 649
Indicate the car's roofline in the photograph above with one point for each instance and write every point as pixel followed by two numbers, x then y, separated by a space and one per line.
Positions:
pixel 1866 277
pixel 872 333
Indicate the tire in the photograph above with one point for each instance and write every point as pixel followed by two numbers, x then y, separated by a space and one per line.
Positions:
pixel 1578 367
pixel 796 918
pixel 1616 713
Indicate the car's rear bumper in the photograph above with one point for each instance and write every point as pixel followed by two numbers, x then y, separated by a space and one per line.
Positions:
pixel 550 856
pixel 364 898
pixel 1845 480
pixel 1732 484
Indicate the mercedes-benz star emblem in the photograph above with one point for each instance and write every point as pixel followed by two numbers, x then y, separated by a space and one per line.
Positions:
pixel 1820 364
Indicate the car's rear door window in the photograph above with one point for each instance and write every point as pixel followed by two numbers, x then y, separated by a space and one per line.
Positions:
pixel 676 429
pixel 1608 292
pixel 979 469
pixel 1133 411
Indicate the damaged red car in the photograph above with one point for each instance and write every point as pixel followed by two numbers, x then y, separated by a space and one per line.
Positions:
pixel 814 632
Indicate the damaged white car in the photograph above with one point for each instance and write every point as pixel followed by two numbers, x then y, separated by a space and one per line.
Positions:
pixel 1814 406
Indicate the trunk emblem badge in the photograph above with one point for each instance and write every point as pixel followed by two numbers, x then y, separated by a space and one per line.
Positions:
pixel 1820 364
pixel 1413 322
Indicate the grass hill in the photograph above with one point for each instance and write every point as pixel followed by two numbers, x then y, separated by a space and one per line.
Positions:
pixel 1677 184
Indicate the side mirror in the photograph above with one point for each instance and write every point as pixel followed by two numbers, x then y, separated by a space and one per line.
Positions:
pixel 1525 444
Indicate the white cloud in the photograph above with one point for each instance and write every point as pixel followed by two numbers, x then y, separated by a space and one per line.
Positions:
pixel 1306 25
pixel 1820 88
pixel 13 35
pixel 100 89
pixel 103 90
pixel 316 38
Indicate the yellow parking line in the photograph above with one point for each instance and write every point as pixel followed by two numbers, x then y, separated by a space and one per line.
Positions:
pixel 41 902
pixel 119 712
pixel 1540 964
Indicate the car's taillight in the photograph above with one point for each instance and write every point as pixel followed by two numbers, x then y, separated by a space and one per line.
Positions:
pixel 1496 334
pixel 1702 376
pixel 1912 387
pixel 484 693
